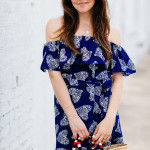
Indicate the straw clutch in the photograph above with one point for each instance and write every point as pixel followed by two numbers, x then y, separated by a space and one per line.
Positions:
pixel 116 147
pixel 77 145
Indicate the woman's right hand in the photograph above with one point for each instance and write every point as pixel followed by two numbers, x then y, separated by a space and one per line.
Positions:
pixel 78 127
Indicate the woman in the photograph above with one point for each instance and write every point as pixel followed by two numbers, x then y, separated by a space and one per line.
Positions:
pixel 86 65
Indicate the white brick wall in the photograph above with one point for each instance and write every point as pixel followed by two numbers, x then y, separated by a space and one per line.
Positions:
pixel 26 95
pixel 17 48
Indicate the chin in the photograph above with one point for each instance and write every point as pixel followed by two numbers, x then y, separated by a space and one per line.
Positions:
pixel 83 8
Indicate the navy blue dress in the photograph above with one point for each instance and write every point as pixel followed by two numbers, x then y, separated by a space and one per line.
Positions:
pixel 88 78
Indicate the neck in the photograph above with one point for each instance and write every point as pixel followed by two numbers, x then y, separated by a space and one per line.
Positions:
pixel 85 18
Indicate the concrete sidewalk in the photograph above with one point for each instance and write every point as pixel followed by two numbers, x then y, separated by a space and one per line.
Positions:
pixel 134 107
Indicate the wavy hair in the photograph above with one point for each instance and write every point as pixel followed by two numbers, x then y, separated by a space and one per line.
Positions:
pixel 100 23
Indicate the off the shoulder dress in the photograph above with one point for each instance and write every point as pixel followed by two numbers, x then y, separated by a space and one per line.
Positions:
pixel 88 78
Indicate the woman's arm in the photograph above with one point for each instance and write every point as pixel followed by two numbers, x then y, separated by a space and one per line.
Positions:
pixel 115 97
pixel 117 80
pixel 59 86
pixel 104 128
pixel 61 91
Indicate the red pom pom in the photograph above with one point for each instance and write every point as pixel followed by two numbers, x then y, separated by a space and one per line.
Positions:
pixel 74 143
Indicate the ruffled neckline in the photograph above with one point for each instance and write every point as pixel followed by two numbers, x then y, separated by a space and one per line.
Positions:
pixel 83 37
pixel 93 54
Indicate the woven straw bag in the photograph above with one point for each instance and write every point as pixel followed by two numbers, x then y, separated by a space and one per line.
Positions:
pixel 116 147
pixel 78 146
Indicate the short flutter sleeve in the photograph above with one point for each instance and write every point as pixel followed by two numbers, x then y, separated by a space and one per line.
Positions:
pixel 50 56
pixel 120 61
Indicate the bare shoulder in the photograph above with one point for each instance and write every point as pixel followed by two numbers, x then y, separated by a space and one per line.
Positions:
pixel 114 35
pixel 52 26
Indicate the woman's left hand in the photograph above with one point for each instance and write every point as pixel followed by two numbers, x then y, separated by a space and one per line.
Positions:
pixel 103 130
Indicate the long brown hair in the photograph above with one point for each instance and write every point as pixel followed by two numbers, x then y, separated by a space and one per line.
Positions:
pixel 100 23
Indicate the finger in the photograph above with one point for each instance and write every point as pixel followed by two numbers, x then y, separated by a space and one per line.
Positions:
pixel 108 139
pixel 75 135
pixel 96 130
pixel 83 133
pixel 97 135
pixel 80 135
pixel 100 139
pixel 103 142
pixel 87 133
